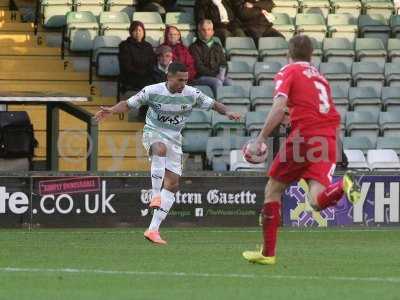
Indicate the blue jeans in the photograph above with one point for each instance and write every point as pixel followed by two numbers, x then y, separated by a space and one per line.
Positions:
pixel 213 82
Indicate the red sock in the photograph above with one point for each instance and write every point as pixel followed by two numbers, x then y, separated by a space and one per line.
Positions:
pixel 271 215
pixel 331 195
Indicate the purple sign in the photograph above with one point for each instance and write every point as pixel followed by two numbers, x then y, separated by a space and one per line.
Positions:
pixel 379 205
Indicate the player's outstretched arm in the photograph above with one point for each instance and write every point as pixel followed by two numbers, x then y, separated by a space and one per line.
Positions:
pixel 104 111
pixel 223 110
pixel 274 118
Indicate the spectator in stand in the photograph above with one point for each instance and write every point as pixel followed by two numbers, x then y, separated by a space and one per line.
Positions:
pixel 164 58
pixel 172 38
pixel 209 57
pixel 256 18
pixel 222 14
pixel 136 59
pixel 160 6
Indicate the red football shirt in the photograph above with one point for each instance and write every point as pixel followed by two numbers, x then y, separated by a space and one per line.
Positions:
pixel 311 108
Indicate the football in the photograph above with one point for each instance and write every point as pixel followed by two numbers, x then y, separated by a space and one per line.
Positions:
pixel 253 155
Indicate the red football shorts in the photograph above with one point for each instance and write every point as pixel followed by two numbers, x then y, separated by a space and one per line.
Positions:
pixel 305 157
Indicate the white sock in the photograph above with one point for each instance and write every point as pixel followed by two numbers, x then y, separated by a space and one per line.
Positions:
pixel 157 173
pixel 167 200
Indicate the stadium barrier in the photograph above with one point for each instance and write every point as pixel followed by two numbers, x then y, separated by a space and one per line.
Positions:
pixel 117 201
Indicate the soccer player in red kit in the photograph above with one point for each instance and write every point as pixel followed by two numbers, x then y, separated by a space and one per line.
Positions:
pixel 309 153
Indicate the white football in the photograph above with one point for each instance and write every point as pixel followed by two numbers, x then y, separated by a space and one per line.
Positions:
pixel 253 155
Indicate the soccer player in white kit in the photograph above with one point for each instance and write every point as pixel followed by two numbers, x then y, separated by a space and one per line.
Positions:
pixel 170 104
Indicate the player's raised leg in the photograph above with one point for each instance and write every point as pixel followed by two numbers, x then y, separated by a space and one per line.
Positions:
pixel 320 197
pixel 158 152
pixel 271 216
pixel 171 184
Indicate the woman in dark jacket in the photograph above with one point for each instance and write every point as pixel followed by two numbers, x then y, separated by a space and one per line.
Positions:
pixel 136 59
pixel 172 38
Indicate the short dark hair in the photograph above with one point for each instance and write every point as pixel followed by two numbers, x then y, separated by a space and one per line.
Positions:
pixel 205 21
pixel 300 48
pixel 163 49
pixel 176 67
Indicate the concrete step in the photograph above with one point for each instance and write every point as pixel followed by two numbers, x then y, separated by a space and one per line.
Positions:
pixel 48 88
pixel 49 76
pixel 8 65
pixel 16 27
pixel 9 16
pixel 111 144
pixel 13 51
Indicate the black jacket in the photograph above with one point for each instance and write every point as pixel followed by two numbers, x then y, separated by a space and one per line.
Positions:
pixel 136 61
pixel 252 19
pixel 159 75
pixel 207 60
pixel 167 4
pixel 205 9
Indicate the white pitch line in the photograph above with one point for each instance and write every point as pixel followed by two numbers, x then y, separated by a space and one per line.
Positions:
pixel 302 230
pixel 184 274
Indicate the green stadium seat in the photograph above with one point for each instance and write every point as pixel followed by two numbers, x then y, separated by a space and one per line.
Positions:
pixel 395 26
pixel 340 97
pixel 362 124
pixel 273 49
pixel 365 99
pixel 317 53
pixel 390 123
pixel 383 7
pixel 374 26
pixel 219 148
pixel 368 74
pixel 356 159
pixel 241 49
pixel 205 89
pixel 105 55
pixel 126 6
pixel 94 6
pixel 197 131
pixel 359 143
pixel 369 49
pixel 337 73
pixel 389 142
pixel 179 18
pixel 312 25
pixel 186 5
pixel 289 7
pixel 347 6
pixel 391 98
pixel 342 26
pixel 393 49
pixel 321 7
pixel 222 126
pixel 255 121
pixel 265 72
pixel 262 97
pixel 53 12
pixel 239 164
pixel 241 73
pixel 114 23
pixel 284 24
pixel 392 74
pixel 383 159
pixel 147 17
pixel 338 50
pixel 154 26
pixel 234 97
pixel 81 30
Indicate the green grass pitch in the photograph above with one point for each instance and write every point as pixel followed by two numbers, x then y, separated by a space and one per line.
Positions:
pixel 198 264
